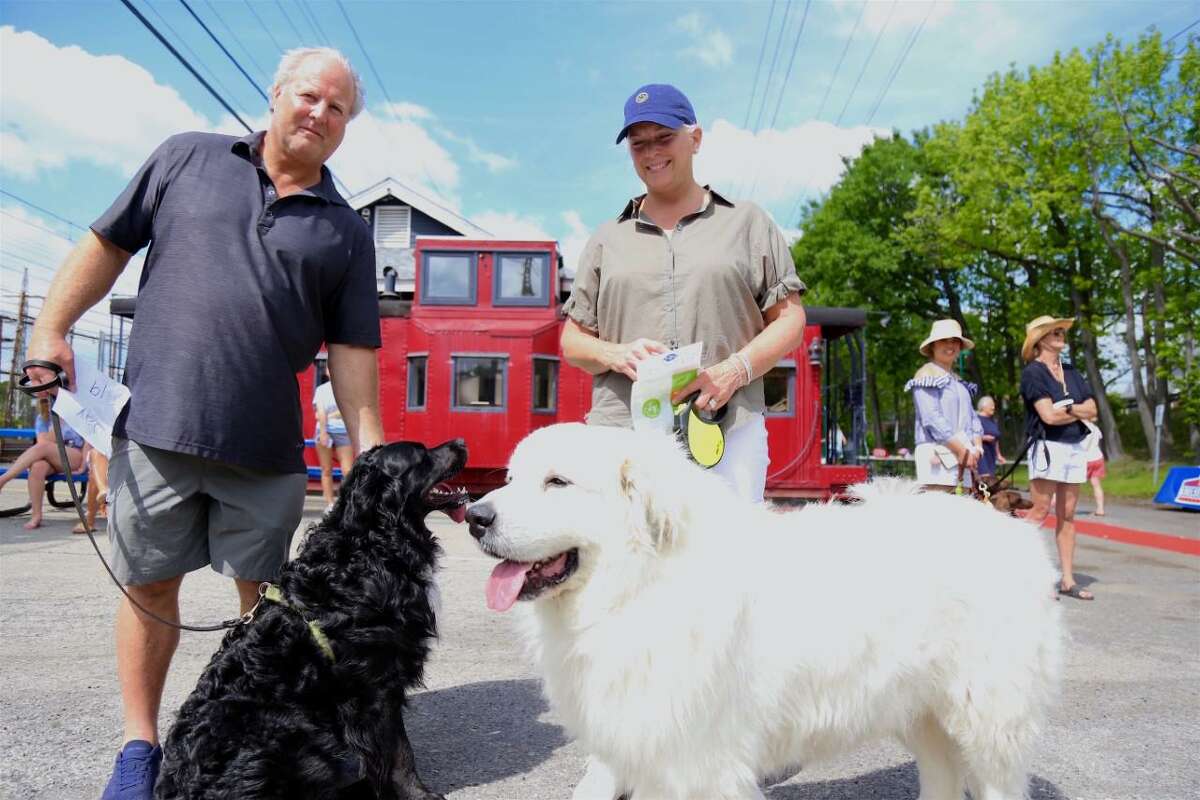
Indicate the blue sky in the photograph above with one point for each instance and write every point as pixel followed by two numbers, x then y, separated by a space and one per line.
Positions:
pixel 505 110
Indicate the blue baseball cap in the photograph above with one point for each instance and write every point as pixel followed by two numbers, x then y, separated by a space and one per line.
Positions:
pixel 660 103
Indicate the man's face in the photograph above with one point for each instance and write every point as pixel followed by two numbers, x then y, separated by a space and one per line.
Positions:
pixel 662 157
pixel 311 111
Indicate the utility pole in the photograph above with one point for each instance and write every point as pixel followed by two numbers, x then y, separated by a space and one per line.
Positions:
pixel 17 353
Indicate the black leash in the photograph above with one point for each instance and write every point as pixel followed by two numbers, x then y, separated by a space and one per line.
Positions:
pixel 60 380
pixel 1030 440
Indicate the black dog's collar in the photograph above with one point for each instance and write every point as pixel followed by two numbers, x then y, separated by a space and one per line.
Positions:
pixel 271 592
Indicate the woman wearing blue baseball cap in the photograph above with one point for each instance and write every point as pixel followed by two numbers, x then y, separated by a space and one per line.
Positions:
pixel 683 264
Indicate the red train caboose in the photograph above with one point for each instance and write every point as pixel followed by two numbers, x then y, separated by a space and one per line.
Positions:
pixel 473 353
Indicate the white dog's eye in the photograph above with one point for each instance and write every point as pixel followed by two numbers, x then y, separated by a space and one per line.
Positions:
pixel 555 480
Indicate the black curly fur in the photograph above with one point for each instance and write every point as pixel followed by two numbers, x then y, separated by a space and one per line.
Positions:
pixel 272 717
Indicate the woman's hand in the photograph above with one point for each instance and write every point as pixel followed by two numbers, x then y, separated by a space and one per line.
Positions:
pixel 715 384
pixel 624 358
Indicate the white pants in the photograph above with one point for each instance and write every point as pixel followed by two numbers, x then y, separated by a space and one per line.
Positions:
pixel 1068 462
pixel 744 463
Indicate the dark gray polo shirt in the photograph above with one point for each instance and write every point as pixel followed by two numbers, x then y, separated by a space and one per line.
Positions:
pixel 239 290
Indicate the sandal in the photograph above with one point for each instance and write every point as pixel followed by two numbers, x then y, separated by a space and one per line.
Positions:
pixel 1076 591
pixel 79 528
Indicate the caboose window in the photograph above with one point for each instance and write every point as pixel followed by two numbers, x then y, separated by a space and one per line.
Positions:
pixel 448 279
pixel 521 279
pixel 417 366
pixel 779 389
pixel 545 384
pixel 479 382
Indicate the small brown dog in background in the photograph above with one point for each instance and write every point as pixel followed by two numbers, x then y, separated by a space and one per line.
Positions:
pixel 1008 500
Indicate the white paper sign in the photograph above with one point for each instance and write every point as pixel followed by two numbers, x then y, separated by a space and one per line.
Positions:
pixel 92 409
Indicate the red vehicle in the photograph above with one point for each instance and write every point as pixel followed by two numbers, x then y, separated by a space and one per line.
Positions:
pixel 473 353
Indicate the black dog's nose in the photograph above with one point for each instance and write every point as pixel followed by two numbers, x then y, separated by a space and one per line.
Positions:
pixel 480 517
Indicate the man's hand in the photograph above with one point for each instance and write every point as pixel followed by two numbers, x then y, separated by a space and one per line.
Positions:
pixel 624 358
pixel 48 346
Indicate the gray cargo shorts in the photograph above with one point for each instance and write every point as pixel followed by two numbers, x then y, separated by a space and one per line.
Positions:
pixel 171 513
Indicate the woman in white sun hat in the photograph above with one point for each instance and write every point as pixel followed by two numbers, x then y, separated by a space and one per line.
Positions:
pixel 1058 401
pixel 948 432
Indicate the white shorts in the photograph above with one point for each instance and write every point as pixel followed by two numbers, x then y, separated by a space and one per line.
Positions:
pixel 933 462
pixel 1068 461
pixel 745 461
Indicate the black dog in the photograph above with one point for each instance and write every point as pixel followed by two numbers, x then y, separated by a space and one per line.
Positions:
pixel 305 702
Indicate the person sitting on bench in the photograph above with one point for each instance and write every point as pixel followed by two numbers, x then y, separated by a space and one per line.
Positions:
pixel 42 460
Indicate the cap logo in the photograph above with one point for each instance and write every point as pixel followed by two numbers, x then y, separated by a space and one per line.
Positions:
pixel 642 97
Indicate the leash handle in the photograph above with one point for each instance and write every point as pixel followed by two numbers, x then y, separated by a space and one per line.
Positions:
pixel 60 380
pixel 26 385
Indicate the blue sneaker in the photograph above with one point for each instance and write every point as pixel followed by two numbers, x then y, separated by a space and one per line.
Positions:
pixel 134 773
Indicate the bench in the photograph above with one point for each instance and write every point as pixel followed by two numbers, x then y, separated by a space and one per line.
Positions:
pixel 28 434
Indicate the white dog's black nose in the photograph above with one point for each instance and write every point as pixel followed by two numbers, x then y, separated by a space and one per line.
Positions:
pixel 480 517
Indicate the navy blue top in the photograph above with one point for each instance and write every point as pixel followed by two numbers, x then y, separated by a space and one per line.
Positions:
pixel 238 291
pixel 987 461
pixel 1037 382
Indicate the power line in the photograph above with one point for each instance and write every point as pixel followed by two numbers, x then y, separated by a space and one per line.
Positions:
pixel 288 17
pixel 382 85
pixel 837 70
pixel 35 225
pixel 1182 32
pixel 787 75
pixel 762 49
pixel 63 220
pixel 771 72
pixel 263 25
pixel 236 38
pixel 185 63
pixel 193 53
pixel 899 63
pixel 312 17
pixel 863 71
pixel 228 54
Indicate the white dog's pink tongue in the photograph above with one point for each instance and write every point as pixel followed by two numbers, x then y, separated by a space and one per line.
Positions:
pixel 505 584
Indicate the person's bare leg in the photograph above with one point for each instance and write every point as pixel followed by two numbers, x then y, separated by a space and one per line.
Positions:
pixel 42 451
pixel 345 455
pixel 325 458
pixel 1041 493
pixel 1064 534
pixel 144 651
pixel 1098 494
pixel 247 593
pixel 36 484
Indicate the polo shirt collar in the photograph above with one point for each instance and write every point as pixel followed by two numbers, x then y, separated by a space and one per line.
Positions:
pixel 249 147
pixel 634 206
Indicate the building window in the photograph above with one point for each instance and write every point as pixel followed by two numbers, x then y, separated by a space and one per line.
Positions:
pixel 417 372
pixel 448 279
pixel 545 384
pixel 779 389
pixel 393 226
pixel 479 382
pixel 521 279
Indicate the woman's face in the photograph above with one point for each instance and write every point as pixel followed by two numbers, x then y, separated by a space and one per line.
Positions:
pixel 946 350
pixel 662 157
pixel 1054 341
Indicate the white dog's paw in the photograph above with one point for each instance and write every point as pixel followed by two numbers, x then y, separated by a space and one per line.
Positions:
pixel 598 782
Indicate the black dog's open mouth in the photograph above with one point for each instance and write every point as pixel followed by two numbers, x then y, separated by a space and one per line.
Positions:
pixel 524 580
pixel 450 500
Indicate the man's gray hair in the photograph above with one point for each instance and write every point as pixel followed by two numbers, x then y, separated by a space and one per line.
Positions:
pixel 292 59
pixel 986 400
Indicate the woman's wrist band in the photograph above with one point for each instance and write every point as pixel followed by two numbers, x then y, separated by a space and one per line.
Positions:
pixel 745 364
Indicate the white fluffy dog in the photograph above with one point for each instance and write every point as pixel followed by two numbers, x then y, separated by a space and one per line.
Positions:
pixel 695 644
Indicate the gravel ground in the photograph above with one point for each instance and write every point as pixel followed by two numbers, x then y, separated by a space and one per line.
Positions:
pixel 1128 725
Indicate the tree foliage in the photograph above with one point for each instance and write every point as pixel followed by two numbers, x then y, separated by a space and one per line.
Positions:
pixel 1068 189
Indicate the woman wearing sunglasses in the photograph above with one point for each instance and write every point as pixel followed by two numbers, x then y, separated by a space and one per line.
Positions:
pixel 1058 401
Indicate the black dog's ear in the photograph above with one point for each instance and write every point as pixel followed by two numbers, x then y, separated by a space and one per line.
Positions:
pixel 373 494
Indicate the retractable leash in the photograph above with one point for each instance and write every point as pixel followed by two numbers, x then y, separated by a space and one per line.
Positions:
pixel 700 429
pixel 60 380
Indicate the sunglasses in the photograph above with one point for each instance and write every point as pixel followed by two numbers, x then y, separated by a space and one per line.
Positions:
pixel 1059 332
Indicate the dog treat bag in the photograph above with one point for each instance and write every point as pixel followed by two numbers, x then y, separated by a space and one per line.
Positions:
pixel 650 399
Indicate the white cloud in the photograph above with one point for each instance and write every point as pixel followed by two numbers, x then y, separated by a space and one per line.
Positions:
pixel 405 110
pixel 709 45
pixel 494 162
pixel 510 225
pixel 572 244
pixel 378 147
pixel 778 165
pixel 67 113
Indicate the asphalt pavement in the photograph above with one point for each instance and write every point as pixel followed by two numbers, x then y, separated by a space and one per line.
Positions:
pixel 1127 725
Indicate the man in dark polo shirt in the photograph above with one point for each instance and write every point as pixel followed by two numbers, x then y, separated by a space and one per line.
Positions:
pixel 254 261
